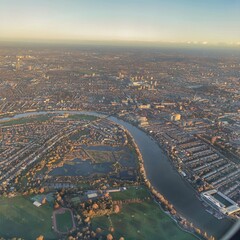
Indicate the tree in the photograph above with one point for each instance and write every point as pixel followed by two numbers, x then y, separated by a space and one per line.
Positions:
pixel 87 219
pixel 41 237
pixel 109 236
pixel 44 201
pixel 56 205
pixel 116 209
pixel 95 206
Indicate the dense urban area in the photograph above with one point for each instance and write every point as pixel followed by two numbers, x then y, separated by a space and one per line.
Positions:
pixel 85 173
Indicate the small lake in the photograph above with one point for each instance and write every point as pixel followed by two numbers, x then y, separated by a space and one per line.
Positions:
pixel 82 168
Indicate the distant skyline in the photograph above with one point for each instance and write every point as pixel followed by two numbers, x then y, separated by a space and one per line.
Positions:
pixel 170 21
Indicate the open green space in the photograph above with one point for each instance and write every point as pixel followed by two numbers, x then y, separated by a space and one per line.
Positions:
pixel 144 221
pixel 20 218
pixel 38 118
pixel 82 117
pixel 101 156
pixel 132 192
pixel 126 152
pixel 64 221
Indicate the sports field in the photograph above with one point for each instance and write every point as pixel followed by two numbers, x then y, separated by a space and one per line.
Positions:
pixel 20 218
pixel 144 221
pixel 64 221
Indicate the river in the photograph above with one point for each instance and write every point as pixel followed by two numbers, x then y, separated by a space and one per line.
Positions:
pixel 164 177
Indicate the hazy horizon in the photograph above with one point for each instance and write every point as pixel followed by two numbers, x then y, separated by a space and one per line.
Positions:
pixel 215 22
pixel 95 43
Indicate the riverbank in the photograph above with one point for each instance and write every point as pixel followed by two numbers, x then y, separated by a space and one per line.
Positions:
pixel 163 203
pixel 164 178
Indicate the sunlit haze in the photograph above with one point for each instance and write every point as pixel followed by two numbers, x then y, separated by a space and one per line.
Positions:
pixel 172 21
pixel 119 119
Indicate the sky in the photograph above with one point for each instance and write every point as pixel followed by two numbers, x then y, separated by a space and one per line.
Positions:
pixel 170 21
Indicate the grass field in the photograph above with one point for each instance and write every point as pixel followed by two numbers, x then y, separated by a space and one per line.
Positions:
pixel 82 117
pixel 101 156
pixel 39 118
pixel 131 193
pixel 20 218
pixel 64 221
pixel 142 221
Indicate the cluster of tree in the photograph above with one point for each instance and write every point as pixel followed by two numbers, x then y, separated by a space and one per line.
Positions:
pixel 98 234
pixel 59 198
pixel 99 207
pixel 33 184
